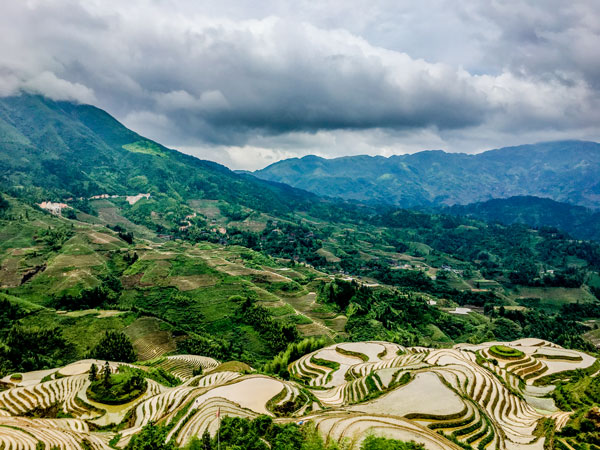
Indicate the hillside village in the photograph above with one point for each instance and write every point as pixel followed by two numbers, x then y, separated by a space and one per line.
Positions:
pixel 56 208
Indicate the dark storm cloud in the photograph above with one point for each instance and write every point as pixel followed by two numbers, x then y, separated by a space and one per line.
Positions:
pixel 282 78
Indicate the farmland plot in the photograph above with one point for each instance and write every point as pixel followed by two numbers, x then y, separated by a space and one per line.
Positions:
pixel 438 397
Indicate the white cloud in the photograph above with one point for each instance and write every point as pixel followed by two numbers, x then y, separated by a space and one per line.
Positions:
pixel 247 83
pixel 49 85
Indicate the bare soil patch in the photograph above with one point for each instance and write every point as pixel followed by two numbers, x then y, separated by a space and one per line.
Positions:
pixel 191 282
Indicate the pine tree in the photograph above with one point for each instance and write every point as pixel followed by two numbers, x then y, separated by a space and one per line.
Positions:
pixel 106 373
pixel 93 373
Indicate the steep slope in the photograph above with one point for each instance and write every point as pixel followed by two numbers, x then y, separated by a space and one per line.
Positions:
pixel 564 171
pixel 58 150
pixel 581 222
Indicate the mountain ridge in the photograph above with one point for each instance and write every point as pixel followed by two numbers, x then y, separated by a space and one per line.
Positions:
pixel 565 171
pixel 581 222
pixel 56 150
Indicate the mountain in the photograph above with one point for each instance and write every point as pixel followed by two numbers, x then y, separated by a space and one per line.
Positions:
pixel 56 150
pixel 580 222
pixel 567 171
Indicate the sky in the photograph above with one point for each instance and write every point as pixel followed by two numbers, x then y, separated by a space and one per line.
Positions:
pixel 248 83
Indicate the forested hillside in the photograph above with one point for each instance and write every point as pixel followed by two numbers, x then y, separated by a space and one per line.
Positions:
pixel 566 171
pixel 55 150
pixel 580 222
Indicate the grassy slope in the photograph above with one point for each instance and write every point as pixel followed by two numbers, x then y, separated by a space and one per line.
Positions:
pixel 187 287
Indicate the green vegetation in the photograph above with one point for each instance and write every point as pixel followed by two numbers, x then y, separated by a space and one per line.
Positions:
pixel 279 364
pixel 114 346
pixel 262 434
pixel 32 348
pixel 380 443
pixel 119 388
pixel 504 352
pixel 152 437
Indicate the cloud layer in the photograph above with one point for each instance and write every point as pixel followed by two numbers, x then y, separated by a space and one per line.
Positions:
pixel 247 85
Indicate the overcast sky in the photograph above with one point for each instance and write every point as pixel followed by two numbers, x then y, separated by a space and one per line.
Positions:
pixel 246 83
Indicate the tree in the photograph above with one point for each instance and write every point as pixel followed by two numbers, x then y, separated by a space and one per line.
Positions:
pixel 152 437
pixel 507 330
pixel 106 373
pixel 206 443
pixel 114 346
pixel 93 372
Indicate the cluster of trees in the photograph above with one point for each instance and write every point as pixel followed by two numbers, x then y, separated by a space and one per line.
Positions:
pixel 562 329
pixel 4 205
pixel 115 389
pixel 55 237
pixel 26 348
pixel 104 295
pixel 528 274
pixel 295 241
pixel 279 364
pixel 404 316
pixel 385 314
pixel 97 297
pixel 233 211
pixel 127 236
pixel 199 344
pixel 114 346
pixel 23 349
pixel 276 333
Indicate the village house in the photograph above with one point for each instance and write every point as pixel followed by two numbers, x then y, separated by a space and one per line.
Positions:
pixel 54 208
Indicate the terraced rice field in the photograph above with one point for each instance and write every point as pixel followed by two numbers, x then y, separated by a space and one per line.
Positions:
pixel 348 390
pixel 183 366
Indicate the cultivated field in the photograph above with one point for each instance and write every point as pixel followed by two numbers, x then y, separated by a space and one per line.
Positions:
pixel 491 395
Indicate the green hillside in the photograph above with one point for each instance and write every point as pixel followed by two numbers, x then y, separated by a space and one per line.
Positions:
pixel 537 212
pixel 56 150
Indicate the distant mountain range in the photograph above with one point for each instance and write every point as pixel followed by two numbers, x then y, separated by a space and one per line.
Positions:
pixel 578 221
pixel 566 171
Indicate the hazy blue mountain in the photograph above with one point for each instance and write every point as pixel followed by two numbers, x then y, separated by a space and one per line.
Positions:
pixel 578 221
pixel 567 171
